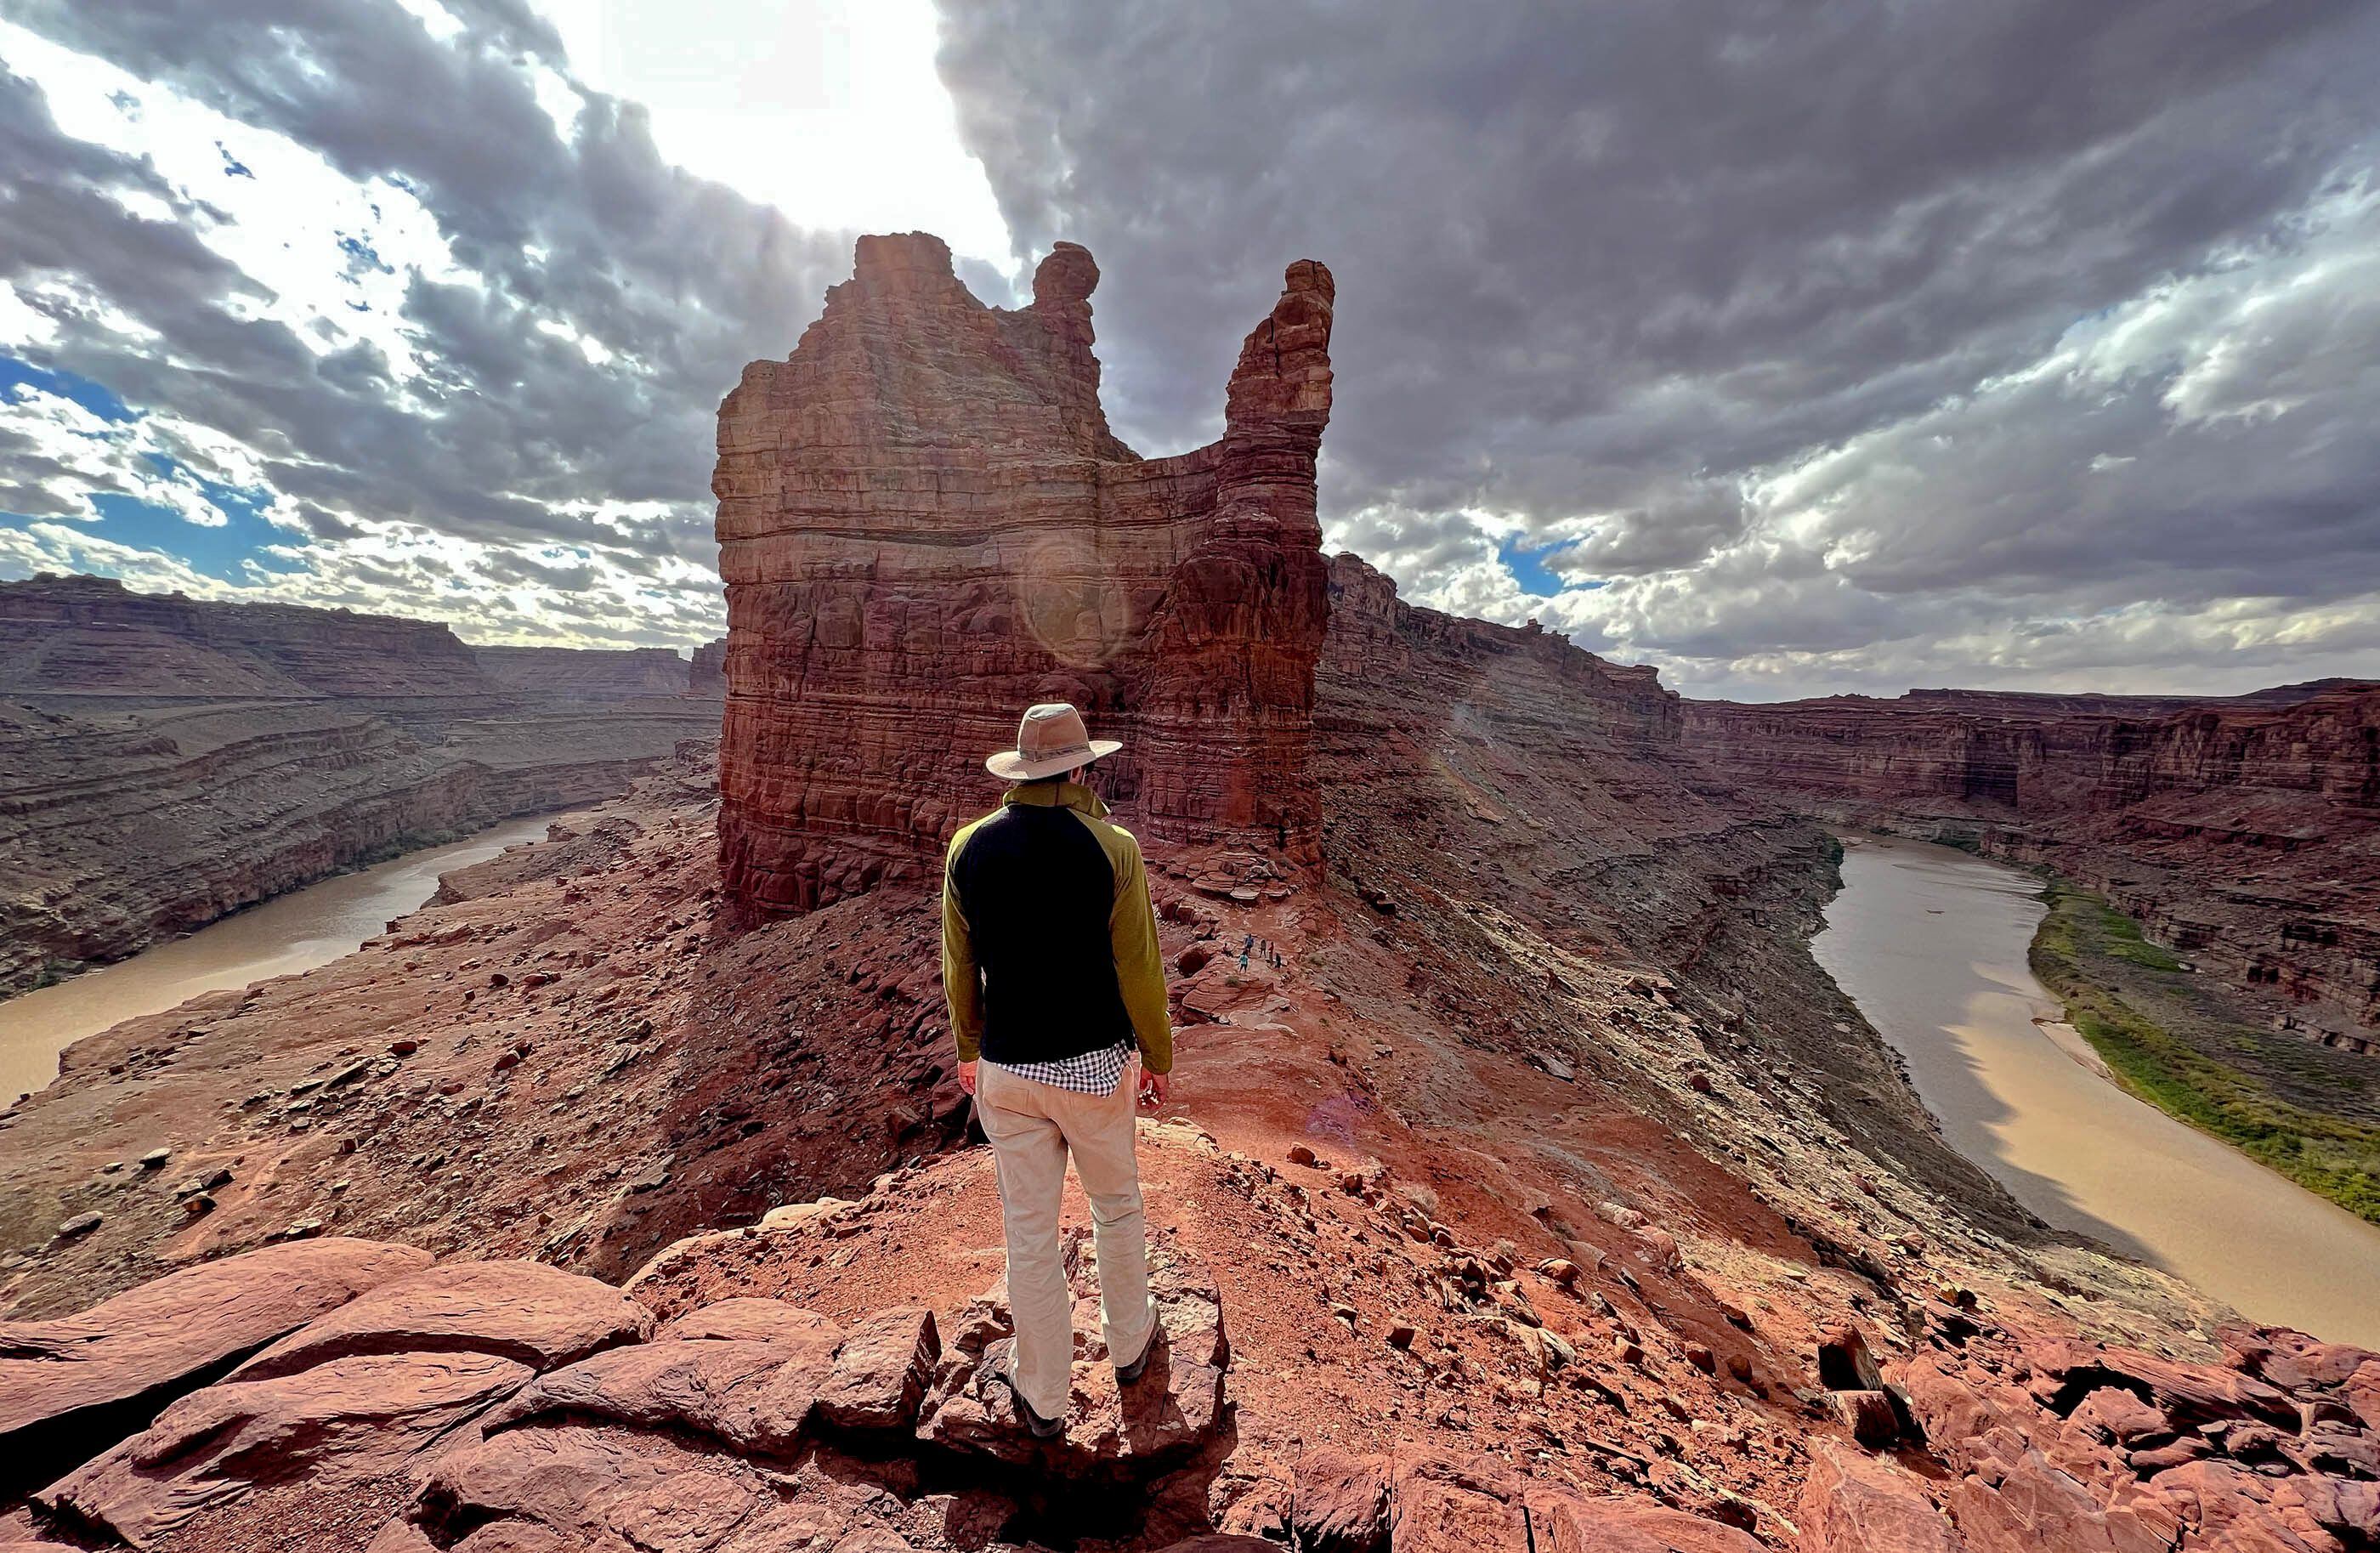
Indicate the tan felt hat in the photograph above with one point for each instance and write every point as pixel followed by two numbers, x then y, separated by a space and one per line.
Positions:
pixel 1051 741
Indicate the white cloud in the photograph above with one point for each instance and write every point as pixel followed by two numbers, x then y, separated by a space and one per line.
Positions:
pixel 831 110
pixel 2097 515
pixel 461 375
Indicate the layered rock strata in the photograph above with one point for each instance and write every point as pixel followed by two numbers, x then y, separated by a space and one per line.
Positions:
pixel 93 636
pixel 707 676
pixel 164 761
pixel 2240 831
pixel 588 673
pixel 1376 638
pixel 925 524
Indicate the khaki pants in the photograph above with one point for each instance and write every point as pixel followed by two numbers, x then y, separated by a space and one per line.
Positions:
pixel 1032 1126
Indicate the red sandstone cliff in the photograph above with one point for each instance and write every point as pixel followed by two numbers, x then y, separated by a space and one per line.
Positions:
pixel 2241 830
pixel 707 676
pixel 925 524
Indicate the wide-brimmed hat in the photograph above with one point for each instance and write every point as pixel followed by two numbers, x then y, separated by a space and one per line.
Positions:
pixel 1051 741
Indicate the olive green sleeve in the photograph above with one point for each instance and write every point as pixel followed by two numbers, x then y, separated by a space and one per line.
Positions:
pixel 962 985
pixel 1140 968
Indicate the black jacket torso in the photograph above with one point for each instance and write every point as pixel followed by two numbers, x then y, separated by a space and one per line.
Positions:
pixel 1037 891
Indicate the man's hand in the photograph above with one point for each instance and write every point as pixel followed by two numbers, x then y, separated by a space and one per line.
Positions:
pixel 1153 1088
pixel 966 1077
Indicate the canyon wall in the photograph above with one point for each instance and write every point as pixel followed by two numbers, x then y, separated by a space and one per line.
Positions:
pixel 2240 831
pixel 1375 636
pixel 925 524
pixel 165 761
pixel 93 636
pixel 588 673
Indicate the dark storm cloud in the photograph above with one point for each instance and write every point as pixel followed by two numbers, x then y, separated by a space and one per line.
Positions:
pixel 1601 267
pixel 511 432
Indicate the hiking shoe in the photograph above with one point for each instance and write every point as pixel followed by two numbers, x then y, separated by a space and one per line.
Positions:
pixel 1127 1374
pixel 1035 1425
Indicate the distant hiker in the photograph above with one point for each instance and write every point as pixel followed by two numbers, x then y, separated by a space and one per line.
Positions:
pixel 1050 967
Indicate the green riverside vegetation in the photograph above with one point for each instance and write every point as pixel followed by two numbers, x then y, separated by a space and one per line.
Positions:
pixel 2072 953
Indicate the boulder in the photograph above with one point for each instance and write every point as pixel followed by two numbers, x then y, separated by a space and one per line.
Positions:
pixel 350 1418
pixel 559 1485
pixel 72 1387
pixel 1446 1505
pixel 1867 1414
pixel 2226 1506
pixel 2361 1391
pixel 2348 1510
pixel 880 1371
pixel 751 1396
pixel 2030 1505
pixel 2116 1416
pixel 556 1485
pixel 2188 1395
pixel 1112 1433
pixel 1441 1504
pixel 1844 1361
pixel 1614 1523
pixel 1864 1504
pixel 527 1312
pixel 1339 1503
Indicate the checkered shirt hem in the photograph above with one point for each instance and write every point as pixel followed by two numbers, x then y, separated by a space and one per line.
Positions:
pixel 1093 1072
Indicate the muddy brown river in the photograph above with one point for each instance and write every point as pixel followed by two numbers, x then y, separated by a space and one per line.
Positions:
pixel 308 926
pixel 1931 943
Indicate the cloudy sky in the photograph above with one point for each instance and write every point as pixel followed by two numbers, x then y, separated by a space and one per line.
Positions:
pixel 1792 347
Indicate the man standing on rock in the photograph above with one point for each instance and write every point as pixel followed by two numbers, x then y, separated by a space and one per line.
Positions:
pixel 1050 967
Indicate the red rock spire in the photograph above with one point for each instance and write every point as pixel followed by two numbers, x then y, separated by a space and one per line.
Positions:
pixel 925 524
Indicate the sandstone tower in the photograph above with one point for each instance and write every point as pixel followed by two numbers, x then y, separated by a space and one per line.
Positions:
pixel 925 524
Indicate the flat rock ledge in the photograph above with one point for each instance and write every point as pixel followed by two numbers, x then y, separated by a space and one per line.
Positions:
pixel 492 1406
pixel 509 1407
pixel 72 1387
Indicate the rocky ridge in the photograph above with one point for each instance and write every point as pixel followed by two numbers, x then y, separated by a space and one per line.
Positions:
pixel 92 635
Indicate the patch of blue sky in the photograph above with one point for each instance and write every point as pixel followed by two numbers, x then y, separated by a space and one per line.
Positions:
pixel 363 254
pixel 96 398
pixel 1527 564
pixel 231 550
